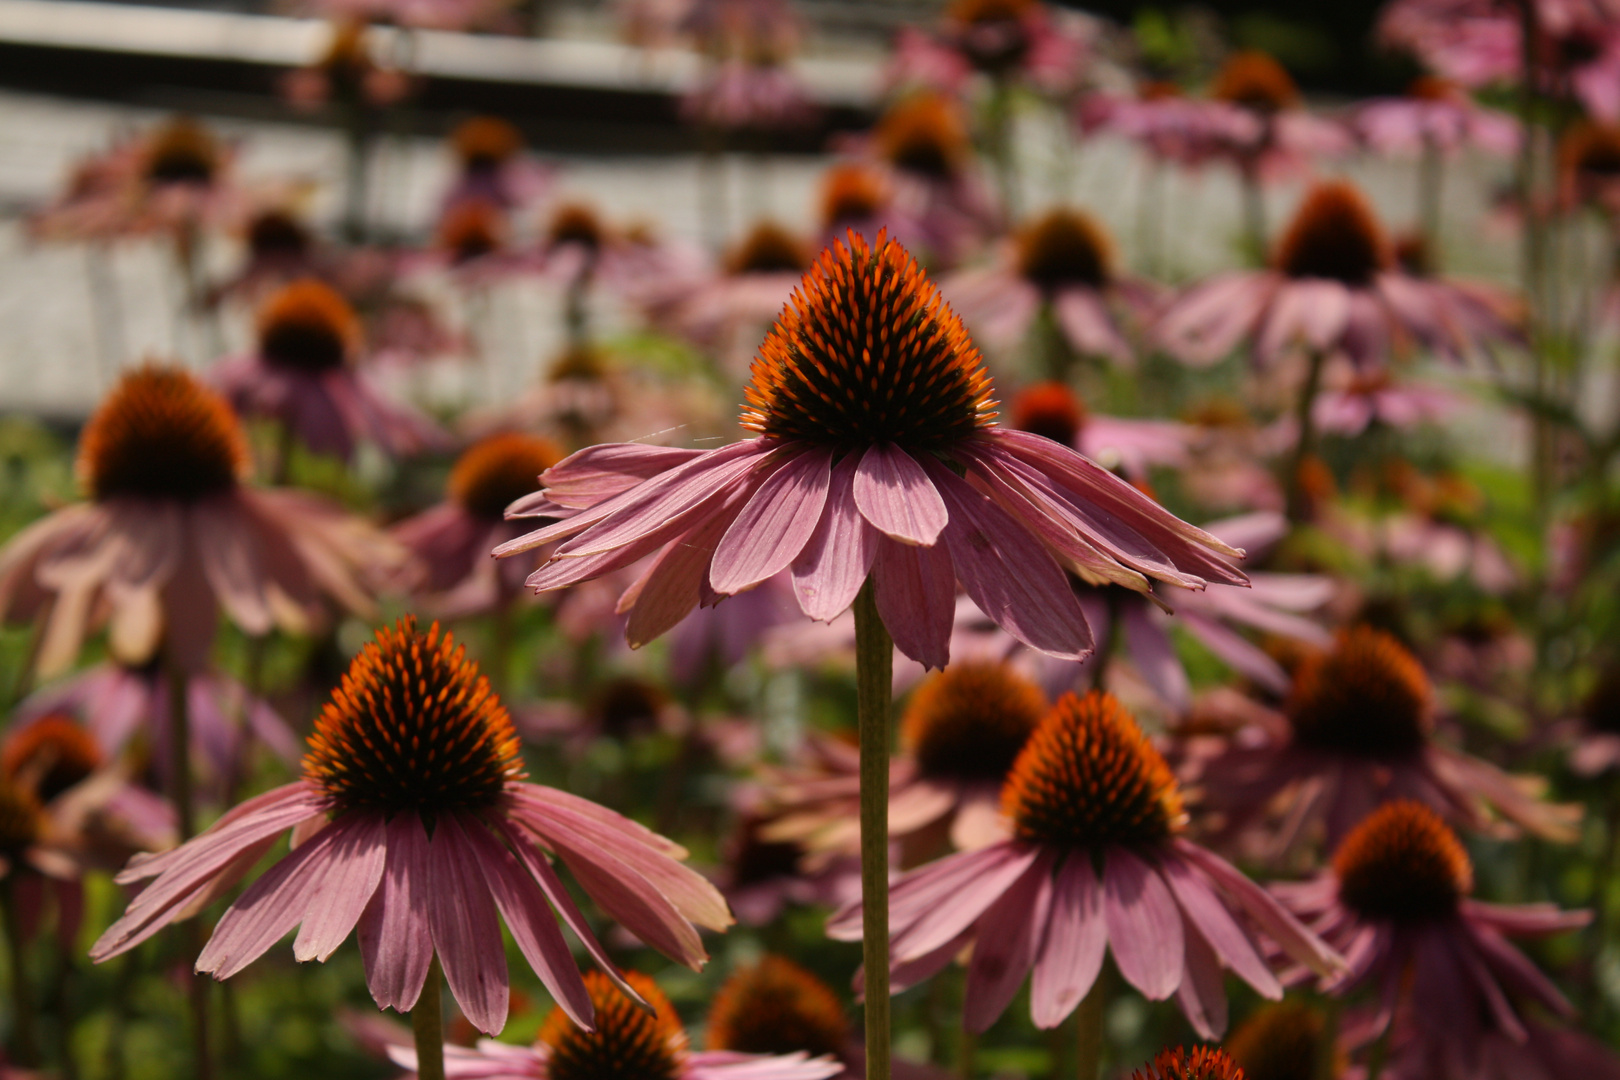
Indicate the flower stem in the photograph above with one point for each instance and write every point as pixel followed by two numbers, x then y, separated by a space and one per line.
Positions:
pixel 874 660
pixel 1379 1053
pixel 1305 421
pixel 427 1024
pixel 24 1034
pixel 1088 1029
pixel 185 819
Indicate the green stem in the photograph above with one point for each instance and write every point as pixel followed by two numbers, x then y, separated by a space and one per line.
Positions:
pixel 1254 213
pixel 186 819
pixel 25 1032
pixel 427 1024
pixel 1431 174
pixel 1305 421
pixel 874 660
pixel 1379 1053
pixel 1088 1030
pixel 1327 1049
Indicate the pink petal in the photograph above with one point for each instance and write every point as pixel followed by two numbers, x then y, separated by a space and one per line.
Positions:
pixel 915 590
pixel 599 814
pixel 587 477
pixel 1217 927
pixel 1298 942
pixel 893 493
pixel 1202 993
pixel 466 931
pixel 230 560
pixel 352 875
pixel 395 941
pixel 949 913
pixel 775 525
pixel 1008 574
pixel 1076 938
pixel 1004 945
pixel 833 565
pixel 672 585
pixel 1154 654
pixel 533 926
pixel 1144 925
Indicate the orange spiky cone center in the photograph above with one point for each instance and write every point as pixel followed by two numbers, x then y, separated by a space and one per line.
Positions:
pixel 1334 235
pixel 21 819
pixel 628 1044
pixel 971 720
pixel 1367 697
pixel 777 1007
pixel 866 351
pixel 495 472
pixel 308 326
pixel 1199 1063
pixel 1065 247
pixel 1089 777
pixel 768 249
pixel 1049 409
pixel 485 143
pixel 576 223
pixel 161 434
pixel 1404 864
pixel 181 152
pixel 1255 81
pixel 851 193
pixel 50 755
pixel 413 726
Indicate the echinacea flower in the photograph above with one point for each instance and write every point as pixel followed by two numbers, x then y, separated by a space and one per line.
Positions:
pixel 859 197
pixel 413 822
pixel 1397 903
pixel 303 374
pixel 1433 115
pixel 491 166
pixel 1096 862
pixel 1199 1063
pixel 745 293
pixel 960 734
pixel 1006 40
pixel 1357 731
pixel 346 71
pixel 1128 444
pixel 1281 1040
pixel 1062 263
pixel 1589 168
pixel 1597 742
pixel 1333 289
pixel 1172 127
pixel 864 395
pixel 1283 138
pixel 923 139
pixel 762 877
pixel 775 1006
pixel 452 539
pixel 172 533
pixel 629 1042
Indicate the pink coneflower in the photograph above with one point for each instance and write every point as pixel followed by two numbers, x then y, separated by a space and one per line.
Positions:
pixel 960 734
pixel 1095 861
pixel 1544 1052
pixel 414 824
pixel 1357 731
pixel 1353 401
pixel 278 247
pixel 1597 742
pixel 1199 1063
pixel 1589 168
pixel 119 703
pixel 1007 40
pixel 755 278
pixel 1282 1040
pixel 171 534
pixel 346 71
pixel 302 374
pixel 1285 138
pixel 1129 445
pixel 1433 114
pixel 491 167
pixel 452 539
pixel 761 877
pixel 1061 264
pixel 629 1042
pixel 1174 128
pixel 1397 904
pixel 841 483
pixel 924 141
pixel 859 197
pixel 778 1007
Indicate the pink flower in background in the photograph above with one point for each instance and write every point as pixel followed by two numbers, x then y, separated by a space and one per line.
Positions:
pixel 1282 140
pixel 1131 445
pixel 1095 863
pixel 841 483
pixel 1433 115
pixel 1018 40
pixel 414 738
pixel 491 166
pixel 1184 131
pixel 1350 404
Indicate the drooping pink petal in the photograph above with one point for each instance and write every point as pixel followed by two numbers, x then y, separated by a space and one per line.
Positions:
pixel 352 874
pixel 833 565
pixel 1202 993
pixel 1071 956
pixel 1298 942
pixel 1004 945
pixel 915 590
pixel 396 943
pixel 918 894
pixel 534 928
pixel 1217 927
pixel 230 559
pixel 1007 573
pixel 1144 924
pixel 466 930
pixel 1154 655
pixel 596 473
pixel 672 585
pixel 601 815
pixel 967 903
pixel 893 493
pixel 775 525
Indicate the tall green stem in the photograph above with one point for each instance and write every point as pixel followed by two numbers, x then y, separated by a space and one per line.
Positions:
pixel 1431 182
pixel 1305 421
pixel 874 660
pixel 1088 1030
pixel 186 820
pixel 25 1029
pixel 427 1024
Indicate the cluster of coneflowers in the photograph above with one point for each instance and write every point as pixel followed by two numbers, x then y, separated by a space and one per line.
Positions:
pixel 1069 639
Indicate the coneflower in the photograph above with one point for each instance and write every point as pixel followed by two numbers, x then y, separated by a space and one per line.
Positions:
pixel 1199 1063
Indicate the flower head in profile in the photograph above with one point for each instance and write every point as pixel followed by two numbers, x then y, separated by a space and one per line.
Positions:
pixel 1359 729
pixel 491 167
pixel 413 825
pixel 171 534
pixel 1434 115
pixel 1281 1040
pixel 630 1041
pixel 1266 132
pixel 303 375
pixel 1335 289
pixel 1095 862
pixel 1397 901
pixel 875 456
pixel 1199 1063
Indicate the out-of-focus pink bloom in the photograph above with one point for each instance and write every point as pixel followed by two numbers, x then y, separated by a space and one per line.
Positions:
pixel 400 329
pixel 1433 115
pixel 1543 1052
pixel 1021 40
pixel 733 305
pixel 414 735
pixel 172 534
pixel 715 639
pixel 1596 732
pixel 1352 403
pixel 1062 263
pixel 848 478
pixel 491 167
pixel 303 375
pixel 1130 445
pixel 1589 168
pixel 860 198
pixel 417 14
pixel 749 95
pixel 1358 731
pixel 279 247
pixel 451 541
pixel 1334 288
pixel 118 704
pixel 1184 131
pixel 1397 904
pixel 645 1042
pixel 923 139
pixel 762 877
pixel 1089 791
pixel 347 71
pixel 1284 140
